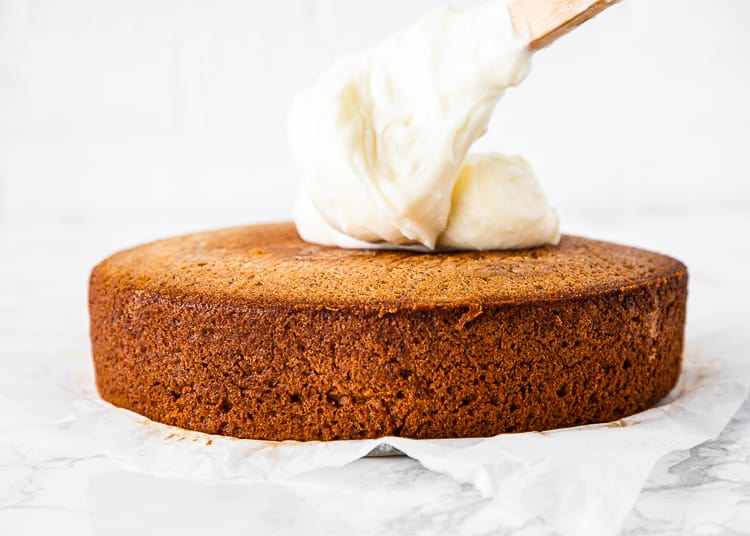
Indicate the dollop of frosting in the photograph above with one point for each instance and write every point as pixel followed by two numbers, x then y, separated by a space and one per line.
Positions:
pixel 382 138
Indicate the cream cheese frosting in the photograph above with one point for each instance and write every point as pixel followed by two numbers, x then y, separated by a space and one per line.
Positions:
pixel 382 139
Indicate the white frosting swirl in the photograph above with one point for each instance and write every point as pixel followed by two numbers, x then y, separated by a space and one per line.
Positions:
pixel 382 138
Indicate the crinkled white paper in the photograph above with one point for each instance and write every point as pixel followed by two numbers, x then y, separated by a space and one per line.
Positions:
pixel 578 481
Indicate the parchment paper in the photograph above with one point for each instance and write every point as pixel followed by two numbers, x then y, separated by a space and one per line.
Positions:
pixel 580 480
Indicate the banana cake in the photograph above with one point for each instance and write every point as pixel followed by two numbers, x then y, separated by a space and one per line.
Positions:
pixel 252 332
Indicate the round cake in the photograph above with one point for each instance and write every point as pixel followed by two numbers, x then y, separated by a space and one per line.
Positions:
pixel 253 333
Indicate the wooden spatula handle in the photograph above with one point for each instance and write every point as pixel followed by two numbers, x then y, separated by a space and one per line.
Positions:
pixel 546 20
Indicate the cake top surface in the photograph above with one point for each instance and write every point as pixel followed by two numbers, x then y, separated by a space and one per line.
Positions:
pixel 267 264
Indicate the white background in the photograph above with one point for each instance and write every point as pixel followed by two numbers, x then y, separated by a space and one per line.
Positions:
pixel 125 121
pixel 174 111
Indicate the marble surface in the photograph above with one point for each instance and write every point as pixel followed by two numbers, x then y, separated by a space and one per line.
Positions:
pixel 48 485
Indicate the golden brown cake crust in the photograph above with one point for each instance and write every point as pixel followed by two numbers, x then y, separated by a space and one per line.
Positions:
pixel 253 333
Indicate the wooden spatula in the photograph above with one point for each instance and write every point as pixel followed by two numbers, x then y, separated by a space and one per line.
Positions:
pixel 543 21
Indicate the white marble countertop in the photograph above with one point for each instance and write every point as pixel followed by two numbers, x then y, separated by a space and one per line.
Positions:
pixel 52 489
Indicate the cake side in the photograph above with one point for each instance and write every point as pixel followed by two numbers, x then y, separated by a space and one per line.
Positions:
pixel 287 369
